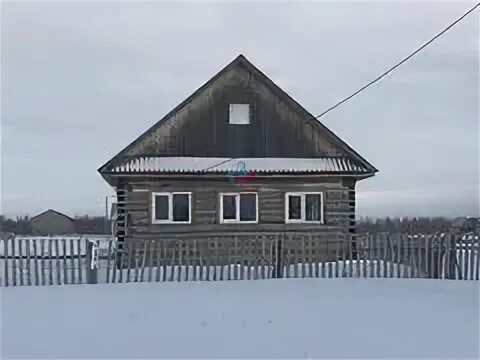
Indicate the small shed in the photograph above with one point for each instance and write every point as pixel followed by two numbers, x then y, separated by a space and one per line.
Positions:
pixel 52 222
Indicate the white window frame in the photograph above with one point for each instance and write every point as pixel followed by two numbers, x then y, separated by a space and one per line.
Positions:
pixel 231 108
pixel 170 207
pixel 303 204
pixel 237 208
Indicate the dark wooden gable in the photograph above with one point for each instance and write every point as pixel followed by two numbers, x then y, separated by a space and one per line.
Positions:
pixel 200 126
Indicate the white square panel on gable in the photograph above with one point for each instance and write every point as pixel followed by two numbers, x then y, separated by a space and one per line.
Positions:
pixel 239 114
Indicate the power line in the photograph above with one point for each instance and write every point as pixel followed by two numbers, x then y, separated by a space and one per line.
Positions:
pixel 382 75
pixel 401 62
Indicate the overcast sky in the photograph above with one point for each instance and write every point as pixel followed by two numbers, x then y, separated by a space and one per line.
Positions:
pixel 79 81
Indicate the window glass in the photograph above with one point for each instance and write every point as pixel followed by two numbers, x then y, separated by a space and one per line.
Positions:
pixel 229 207
pixel 248 207
pixel 313 207
pixel 294 207
pixel 161 207
pixel 180 207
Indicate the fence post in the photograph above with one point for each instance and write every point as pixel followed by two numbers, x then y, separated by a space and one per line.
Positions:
pixel 91 266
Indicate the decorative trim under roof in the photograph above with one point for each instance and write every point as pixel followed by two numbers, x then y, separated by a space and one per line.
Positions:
pixel 206 165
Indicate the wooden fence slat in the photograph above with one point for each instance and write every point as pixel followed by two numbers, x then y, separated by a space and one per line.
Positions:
pixel 2 276
pixel 446 263
pixel 188 261
pixel 392 257
pixel 432 256
pixel 401 255
pixel 358 265
pixel 79 261
pixel 317 257
pixel 256 258
pixel 418 249
pixel 42 261
pixel 350 256
pixel 65 267
pixel 371 255
pixel 466 259
pixel 313 255
pixel 215 259
pixel 29 274
pixel 229 260
pixel 5 255
pixel 194 260
pixel 471 252
pixel 14 262
pixel 165 265
pixel 50 262
pixel 57 262
pixel 35 265
pixel 362 254
pixel 408 257
pixel 207 262
pixel 398 250
pixel 22 264
pixel 427 256
pixel 477 252
pixel 123 255
pixel 20 260
pixel 72 263
pixel 158 253
pixel 385 241
pixel 257 261
pixel 150 259
pixel 302 257
pixel 236 275
pixel 340 245
pixel 136 260
pixel 109 258
pixel 440 256
pixel 128 245
pixel 180 262
pixel 172 265
pixel 377 261
pixel 144 261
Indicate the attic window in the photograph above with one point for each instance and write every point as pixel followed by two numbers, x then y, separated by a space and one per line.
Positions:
pixel 239 114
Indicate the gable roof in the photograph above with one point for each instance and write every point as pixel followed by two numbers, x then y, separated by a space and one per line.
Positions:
pixel 275 89
pixel 52 211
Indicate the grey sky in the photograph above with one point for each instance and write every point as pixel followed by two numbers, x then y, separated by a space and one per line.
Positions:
pixel 82 80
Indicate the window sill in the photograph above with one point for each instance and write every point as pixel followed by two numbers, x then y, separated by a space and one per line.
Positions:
pixel 303 222
pixel 238 222
pixel 157 222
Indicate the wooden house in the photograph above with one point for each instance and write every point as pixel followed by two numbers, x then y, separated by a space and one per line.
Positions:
pixel 52 222
pixel 238 159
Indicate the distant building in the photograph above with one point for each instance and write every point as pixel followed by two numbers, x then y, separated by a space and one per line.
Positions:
pixel 52 222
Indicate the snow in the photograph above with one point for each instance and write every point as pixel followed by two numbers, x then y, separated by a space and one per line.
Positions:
pixel 286 318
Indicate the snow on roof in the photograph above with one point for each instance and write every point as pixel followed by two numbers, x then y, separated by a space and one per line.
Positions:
pixel 224 165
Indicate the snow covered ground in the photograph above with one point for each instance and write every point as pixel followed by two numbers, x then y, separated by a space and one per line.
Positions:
pixel 286 318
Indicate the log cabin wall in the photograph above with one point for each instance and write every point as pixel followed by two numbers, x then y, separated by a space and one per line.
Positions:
pixel 205 206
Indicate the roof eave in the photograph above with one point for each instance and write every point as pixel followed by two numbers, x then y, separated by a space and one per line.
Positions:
pixel 110 175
